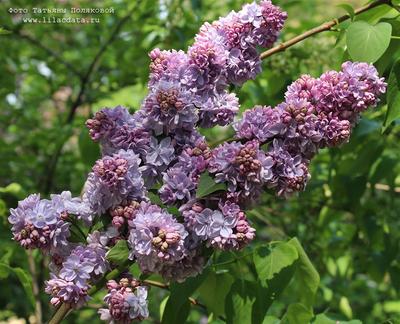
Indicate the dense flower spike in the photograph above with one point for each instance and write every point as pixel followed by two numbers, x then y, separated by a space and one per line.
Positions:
pixel 317 113
pixel 126 300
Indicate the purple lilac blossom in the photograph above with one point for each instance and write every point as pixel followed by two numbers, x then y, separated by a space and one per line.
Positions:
pixel 289 173
pixel 261 123
pixel 63 291
pixel 42 223
pixel 347 93
pixel 223 228
pixel 126 300
pixel 219 109
pixel 169 106
pixel 115 129
pixel 244 167
pixel 166 65
pixel 180 182
pixel 255 25
pixel 113 179
pixel 178 186
pixel 156 238
pixel 158 158
pixel 84 263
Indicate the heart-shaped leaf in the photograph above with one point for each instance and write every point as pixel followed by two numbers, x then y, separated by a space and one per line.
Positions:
pixel 366 42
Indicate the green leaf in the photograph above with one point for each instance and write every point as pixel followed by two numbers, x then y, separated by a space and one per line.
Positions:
pixel 269 261
pixel 4 31
pixel 4 270
pixel 13 189
pixel 178 306
pixel 23 277
pixel 349 9
pixel 306 277
pixel 207 186
pixel 119 253
pixel 239 302
pixel 26 282
pixel 366 42
pixel 323 319
pixel 271 320
pixel 214 290
pixel 393 96
pixel 269 291
pixel 89 150
pixel 297 314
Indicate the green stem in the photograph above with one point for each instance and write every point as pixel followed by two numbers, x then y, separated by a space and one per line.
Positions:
pixel 327 26
pixel 61 312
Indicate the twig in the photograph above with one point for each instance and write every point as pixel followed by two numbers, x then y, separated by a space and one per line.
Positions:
pixel 61 312
pixel 35 287
pixel 48 50
pixel 93 65
pixel 321 28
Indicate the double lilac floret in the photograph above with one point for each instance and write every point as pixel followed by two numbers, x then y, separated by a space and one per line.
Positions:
pixel 72 282
pixel 126 300
pixel 42 223
pixel 223 228
pixel 114 179
pixel 156 238
pixel 115 129
pixel 244 167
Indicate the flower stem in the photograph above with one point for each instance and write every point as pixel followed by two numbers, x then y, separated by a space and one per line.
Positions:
pixel 321 28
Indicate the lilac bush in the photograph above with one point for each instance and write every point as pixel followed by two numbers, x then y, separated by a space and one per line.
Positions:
pixel 159 152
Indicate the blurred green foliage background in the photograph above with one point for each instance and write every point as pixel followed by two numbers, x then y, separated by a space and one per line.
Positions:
pixel 54 76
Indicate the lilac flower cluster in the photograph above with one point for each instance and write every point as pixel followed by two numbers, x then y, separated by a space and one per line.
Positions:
pixel 157 155
pixel 126 300
pixel 41 223
pixel 71 284
pixel 223 53
pixel 180 181
pixel 156 238
pixel 224 228
pixel 114 179
pixel 317 113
